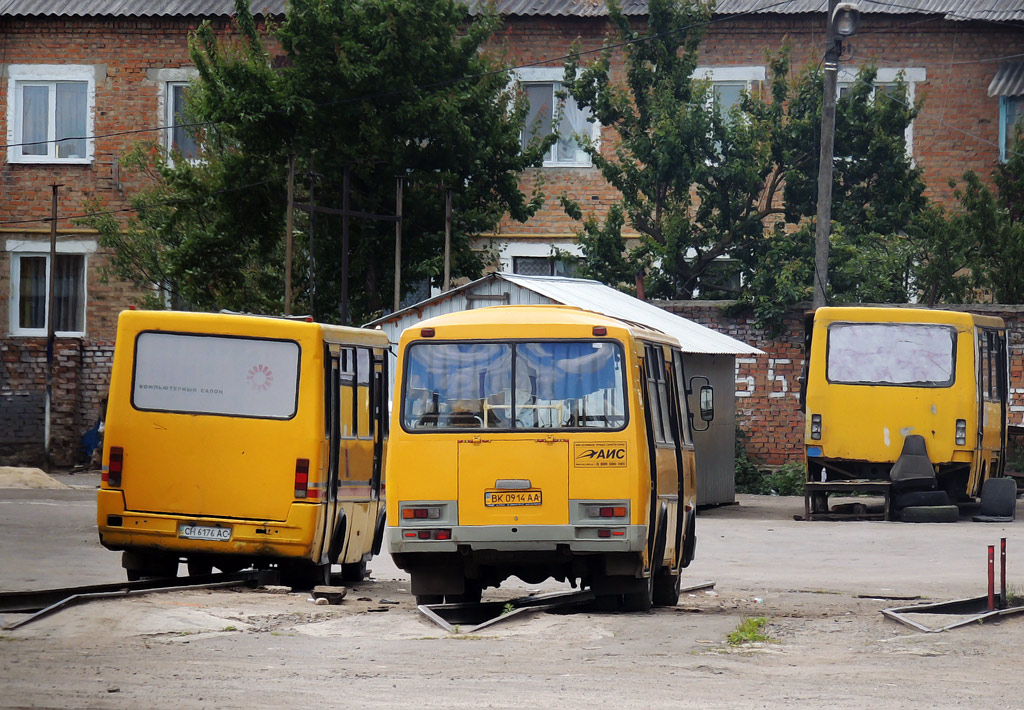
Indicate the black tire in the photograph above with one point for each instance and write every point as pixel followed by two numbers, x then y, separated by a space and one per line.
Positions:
pixel 353 572
pixel 918 498
pixel 422 599
pixel 930 514
pixel 666 588
pixel 999 497
pixel 642 599
pixel 471 593
pixel 197 568
pixel 305 575
pixel 153 565
pixel 690 543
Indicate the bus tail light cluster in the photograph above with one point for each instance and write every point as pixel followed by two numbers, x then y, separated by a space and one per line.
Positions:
pixel 610 532
pixel 443 534
pixel 112 476
pixel 816 427
pixel 961 432
pixel 427 513
pixel 607 511
pixel 301 478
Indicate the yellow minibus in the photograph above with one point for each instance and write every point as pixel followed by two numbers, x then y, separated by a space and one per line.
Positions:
pixel 886 382
pixel 235 440
pixel 541 442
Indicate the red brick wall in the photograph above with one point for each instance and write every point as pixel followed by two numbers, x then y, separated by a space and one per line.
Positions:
pixel 958 128
pixel 768 387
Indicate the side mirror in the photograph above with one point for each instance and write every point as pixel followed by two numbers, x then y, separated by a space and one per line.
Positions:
pixel 707 403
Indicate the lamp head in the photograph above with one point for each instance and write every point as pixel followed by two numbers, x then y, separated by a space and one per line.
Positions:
pixel 845 19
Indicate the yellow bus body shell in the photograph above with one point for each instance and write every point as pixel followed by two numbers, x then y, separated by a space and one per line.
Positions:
pixel 233 471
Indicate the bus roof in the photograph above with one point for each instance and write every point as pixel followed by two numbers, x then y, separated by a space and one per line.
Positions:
pixel 248 324
pixel 536 316
pixel 874 314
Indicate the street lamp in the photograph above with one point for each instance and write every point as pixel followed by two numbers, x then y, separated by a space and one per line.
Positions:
pixel 843 18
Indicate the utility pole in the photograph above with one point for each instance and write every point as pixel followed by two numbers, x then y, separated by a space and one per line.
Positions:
pixel 842 22
pixel 288 236
pixel 346 188
pixel 50 325
pixel 447 283
pixel 312 241
pixel 398 245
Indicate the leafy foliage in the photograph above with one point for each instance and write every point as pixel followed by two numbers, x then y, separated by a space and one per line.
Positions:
pixel 387 87
pixel 699 184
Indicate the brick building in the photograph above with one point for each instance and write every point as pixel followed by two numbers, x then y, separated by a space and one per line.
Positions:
pixel 83 81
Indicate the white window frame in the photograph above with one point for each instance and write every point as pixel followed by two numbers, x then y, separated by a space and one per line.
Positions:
pixel 556 75
pixel 889 75
pixel 539 248
pixel 19 74
pixel 166 79
pixel 17 249
pixel 746 75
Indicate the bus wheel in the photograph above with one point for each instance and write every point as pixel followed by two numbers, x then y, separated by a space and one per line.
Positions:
pixel 643 598
pixel 422 599
pixel 353 572
pixel 305 574
pixel 199 567
pixel 472 591
pixel 666 587
pixel 139 565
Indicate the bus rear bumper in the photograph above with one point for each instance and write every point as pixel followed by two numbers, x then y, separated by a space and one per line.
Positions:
pixel 521 538
pixel 120 529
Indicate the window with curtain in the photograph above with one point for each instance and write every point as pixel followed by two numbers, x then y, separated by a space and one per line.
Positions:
pixel 30 291
pixel 181 136
pixel 52 120
pixel 520 385
pixel 549 114
pixel 1011 109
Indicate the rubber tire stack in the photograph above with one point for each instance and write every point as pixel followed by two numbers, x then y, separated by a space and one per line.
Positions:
pixel 925 507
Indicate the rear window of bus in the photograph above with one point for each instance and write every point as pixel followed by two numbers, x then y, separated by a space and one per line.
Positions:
pixel 514 386
pixel 212 374
pixel 901 354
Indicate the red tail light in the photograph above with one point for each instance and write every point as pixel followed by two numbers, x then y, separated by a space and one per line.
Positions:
pixel 301 477
pixel 115 467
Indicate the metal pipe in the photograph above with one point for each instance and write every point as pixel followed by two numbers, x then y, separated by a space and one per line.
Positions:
pixel 991 577
pixel 1002 573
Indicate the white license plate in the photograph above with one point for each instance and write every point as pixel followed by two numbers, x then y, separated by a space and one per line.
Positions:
pixel 204 532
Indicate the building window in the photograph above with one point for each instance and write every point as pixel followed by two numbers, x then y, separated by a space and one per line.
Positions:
pixel 1011 111
pixel 49 113
pixel 726 94
pixel 885 82
pixel 544 266
pixel 30 286
pixel 549 114
pixel 180 136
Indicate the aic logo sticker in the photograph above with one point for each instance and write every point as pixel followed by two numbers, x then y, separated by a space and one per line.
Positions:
pixel 604 454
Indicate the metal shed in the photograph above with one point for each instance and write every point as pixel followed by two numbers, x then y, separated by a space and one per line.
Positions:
pixel 706 352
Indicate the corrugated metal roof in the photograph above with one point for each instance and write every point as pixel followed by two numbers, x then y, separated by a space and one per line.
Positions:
pixel 1008 81
pixel 134 8
pixel 996 10
pixel 595 296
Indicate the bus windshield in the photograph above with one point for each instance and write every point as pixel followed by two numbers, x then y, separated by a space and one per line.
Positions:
pixel 908 354
pixel 514 385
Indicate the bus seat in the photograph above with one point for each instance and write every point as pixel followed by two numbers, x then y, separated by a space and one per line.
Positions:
pixel 913 470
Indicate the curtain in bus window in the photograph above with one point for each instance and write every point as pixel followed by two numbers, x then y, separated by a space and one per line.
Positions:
pixel 891 354
pixel 457 385
pixel 566 384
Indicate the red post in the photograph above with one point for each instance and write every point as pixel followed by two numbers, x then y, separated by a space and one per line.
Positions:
pixel 991 577
pixel 1002 574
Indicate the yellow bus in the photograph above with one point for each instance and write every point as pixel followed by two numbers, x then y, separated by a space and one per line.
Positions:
pixel 877 377
pixel 236 440
pixel 541 442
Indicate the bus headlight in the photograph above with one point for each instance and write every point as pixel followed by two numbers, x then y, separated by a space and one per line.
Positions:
pixel 816 426
pixel 961 432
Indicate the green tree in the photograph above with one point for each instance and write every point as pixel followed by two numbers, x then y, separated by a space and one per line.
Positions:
pixel 387 87
pixel 699 184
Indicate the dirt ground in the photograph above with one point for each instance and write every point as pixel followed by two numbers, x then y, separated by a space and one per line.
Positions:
pixel 816 583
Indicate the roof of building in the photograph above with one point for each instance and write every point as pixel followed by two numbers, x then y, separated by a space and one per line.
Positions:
pixel 994 10
pixel 594 296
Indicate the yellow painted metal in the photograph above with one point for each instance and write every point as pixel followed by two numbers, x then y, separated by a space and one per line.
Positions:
pixel 197 467
pixel 861 422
